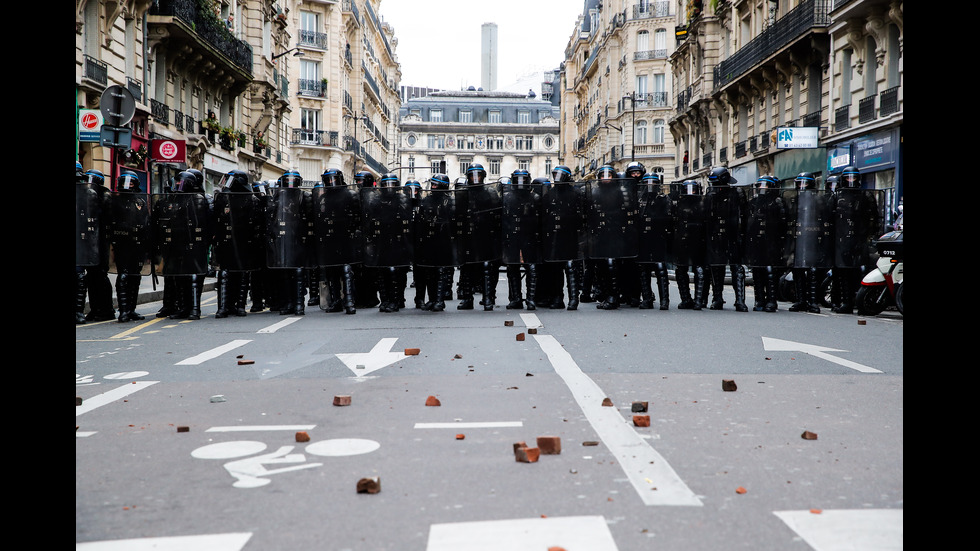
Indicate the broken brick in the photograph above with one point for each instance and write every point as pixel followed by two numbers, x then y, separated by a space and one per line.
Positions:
pixel 740 490
pixel 412 351
pixel 246 362
pixel 457 357
pixel 641 420
pixel 532 331
pixel 460 436
pixel 807 435
pixel 78 400
pixel 183 429
pixel 549 445
pixel 607 402
pixel 509 323
pixel 862 322
pixel 370 485
pixel 639 407
pixel 728 385
pixel 302 436
pixel 590 443
pixel 527 455
pixel 432 401
pixel 520 336
pixel 521 444
pixel 341 400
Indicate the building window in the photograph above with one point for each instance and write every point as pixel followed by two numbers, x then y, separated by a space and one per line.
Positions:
pixel 524 164
pixel 436 141
pixel 495 142
pixel 436 166
pixel 524 143
pixel 494 117
pixel 658 131
pixel 524 117
pixel 435 115
pixel 494 167
pixel 470 142
pixel 640 136
pixel 412 139
pixel 411 164
pixel 309 125
pixel 548 143
pixel 309 78
pixel 464 165
pixel 642 41
pixel 465 116
pixel 547 165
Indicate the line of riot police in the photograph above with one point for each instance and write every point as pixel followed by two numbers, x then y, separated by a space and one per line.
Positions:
pixel 353 244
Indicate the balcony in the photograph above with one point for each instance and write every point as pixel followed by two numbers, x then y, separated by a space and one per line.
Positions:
pixel 866 110
pixel 649 54
pixel 786 30
pixel 320 138
pixel 95 73
pixel 889 102
pixel 186 22
pixel 647 10
pixel 313 39
pixel 655 100
pixel 312 88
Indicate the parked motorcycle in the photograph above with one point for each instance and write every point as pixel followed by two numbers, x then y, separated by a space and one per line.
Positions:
pixel 883 286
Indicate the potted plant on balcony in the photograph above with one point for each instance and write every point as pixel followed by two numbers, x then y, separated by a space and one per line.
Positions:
pixel 240 136
pixel 211 125
pixel 323 87
pixel 227 137
pixel 259 143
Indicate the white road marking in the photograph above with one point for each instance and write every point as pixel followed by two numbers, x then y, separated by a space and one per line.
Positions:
pixel 250 428
pixel 213 353
pixel 531 320
pixel 484 425
pixel 277 326
pixel 848 529
pixel 111 396
pixel 84 433
pixel 209 542
pixel 654 479
pixel 528 534
pixel 363 363
pixel 816 351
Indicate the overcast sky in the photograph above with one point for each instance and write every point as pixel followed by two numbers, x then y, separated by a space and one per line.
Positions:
pixel 439 40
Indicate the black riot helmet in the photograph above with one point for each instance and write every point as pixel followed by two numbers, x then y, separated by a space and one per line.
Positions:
pixel 260 187
pixel 541 181
pixel 186 182
pixel 850 177
pixel 439 181
pixel 475 175
pixel 389 180
pixel 635 170
pixel 198 180
pixel 767 181
pixel 332 177
pixel 291 178
pixel 95 177
pixel 691 187
pixel 606 172
pixel 561 174
pixel 805 180
pixel 832 182
pixel 520 179
pixel 79 172
pixel 413 188
pixel 719 176
pixel 236 181
pixel 364 179
pixel 128 182
pixel 651 179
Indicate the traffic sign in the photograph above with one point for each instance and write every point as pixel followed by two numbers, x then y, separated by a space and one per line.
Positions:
pixel 117 105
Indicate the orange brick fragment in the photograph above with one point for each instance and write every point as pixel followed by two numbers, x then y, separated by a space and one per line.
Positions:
pixel 549 445
pixel 807 435
pixel 370 485
pixel 412 351
pixel 341 400
pixel 302 436
pixel 246 362
pixel 607 402
pixel 740 490
pixel 432 401
pixel 641 420
pixel 460 436
pixel 183 429
pixel 728 385
pixel 527 455
pixel 520 336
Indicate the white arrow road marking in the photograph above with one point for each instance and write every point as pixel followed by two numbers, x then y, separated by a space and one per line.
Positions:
pixel 845 530
pixel 655 481
pixel 379 356
pixel 771 344
pixel 525 534
pixel 213 353
pixel 531 320
pixel 277 326
pixel 111 396
pixel 209 542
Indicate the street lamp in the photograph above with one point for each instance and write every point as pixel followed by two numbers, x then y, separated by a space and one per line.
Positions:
pixel 632 98
pixel 299 53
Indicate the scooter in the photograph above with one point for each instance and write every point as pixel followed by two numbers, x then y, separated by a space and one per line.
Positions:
pixel 883 286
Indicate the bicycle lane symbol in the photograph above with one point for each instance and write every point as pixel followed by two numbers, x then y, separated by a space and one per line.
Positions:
pixel 251 472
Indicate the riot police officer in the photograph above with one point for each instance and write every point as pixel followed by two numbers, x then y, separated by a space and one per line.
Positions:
pixel 765 240
pixel 563 235
pixel 389 246
pixel 857 221
pixel 479 207
pixel 812 241
pixel 238 245
pixel 289 249
pixel 521 247
pixel 436 241
pixel 92 247
pixel 726 227
pixel 130 223
pixel 656 229
pixel 688 247
pixel 339 240
pixel 612 231
pixel 413 189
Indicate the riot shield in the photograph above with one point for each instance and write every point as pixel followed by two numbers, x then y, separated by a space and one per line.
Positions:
pixel 289 241
pixel 387 227
pixel 436 230
pixel 88 224
pixel 181 232
pixel 811 243
pixel 129 232
pixel 766 225
pixel 725 211
pixel 655 223
pixel 690 230
pixel 239 231
pixel 520 224
pixel 563 234
pixel 338 239
pixel 478 210
pixel 858 218
pixel 611 212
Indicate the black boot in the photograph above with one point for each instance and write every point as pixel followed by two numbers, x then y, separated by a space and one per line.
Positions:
pixel 80 291
pixel 717 274
pixel 257 284
pixel 183 297
pixel 759 286
pixel 122 297
pixel 663 285
pixel 490 277
pixel 799 283
pixel 684 288
pixel 610 286
pixel 771 282
pixel 738 283
pixel 572 276
pixel 314 277
pixel 241 293
pixel 813 291
pixel 587 281
pixel 646 288
pixel 300 289
pixel 443 281
pixel 223 295
pixel 515 301
pixel 465 289
pixel 350 295
pixel 532 285
pixel 700 287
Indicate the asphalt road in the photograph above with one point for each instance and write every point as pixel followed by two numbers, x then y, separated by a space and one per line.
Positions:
pixel 187 437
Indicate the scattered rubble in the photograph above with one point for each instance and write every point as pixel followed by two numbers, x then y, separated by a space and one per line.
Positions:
pixel 807 435
pixel 641 420
pixel 341 400
pixel 370 485
pixel 728 385
pixel 639 407
pixel 432 401
pixel 302 436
